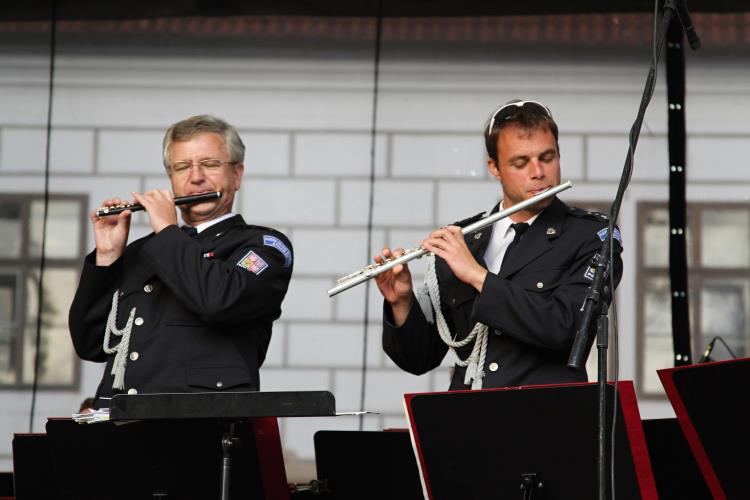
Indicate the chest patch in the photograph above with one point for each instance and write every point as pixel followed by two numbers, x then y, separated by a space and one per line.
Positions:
pixel 253 262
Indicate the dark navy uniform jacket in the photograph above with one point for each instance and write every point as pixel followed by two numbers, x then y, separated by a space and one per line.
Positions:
pixel 531 307
pixel 204 307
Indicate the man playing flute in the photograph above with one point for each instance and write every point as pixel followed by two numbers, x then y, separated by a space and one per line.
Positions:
pixel 510 294
pixel 184 309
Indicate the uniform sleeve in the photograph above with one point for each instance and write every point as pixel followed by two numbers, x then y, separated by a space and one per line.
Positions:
pixel 249 283
pixel 415 346
pixel 546 319
pixel 88 313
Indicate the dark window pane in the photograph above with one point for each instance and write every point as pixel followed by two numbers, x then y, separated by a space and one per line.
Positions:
pixel 724 313
pixel 658 352
pixel 7 299
pixel 10 228
pixel 7 373
pixel 63 228
pixel 656 238
pixel 57 359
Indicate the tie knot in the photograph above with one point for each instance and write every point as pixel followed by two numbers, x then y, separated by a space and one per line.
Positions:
pixel 190 231
pixel 519 228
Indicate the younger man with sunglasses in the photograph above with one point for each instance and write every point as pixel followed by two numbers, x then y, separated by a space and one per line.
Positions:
pixel 184 309
pixel 510 294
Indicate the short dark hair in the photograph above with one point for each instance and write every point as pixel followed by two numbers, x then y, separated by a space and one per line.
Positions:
pixel 528 115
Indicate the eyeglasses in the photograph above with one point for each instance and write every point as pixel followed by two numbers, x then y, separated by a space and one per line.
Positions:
pixel 207 165
pixel 511 110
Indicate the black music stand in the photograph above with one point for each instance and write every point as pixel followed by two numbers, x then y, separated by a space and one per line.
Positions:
pixel 713 414
pixel 528 443
pixel 367 465
pixel 178 446
pixel 676 472
pixel 32 468
pixel 143 460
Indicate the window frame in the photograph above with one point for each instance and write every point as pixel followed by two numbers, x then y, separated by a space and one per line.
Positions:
pixel 24 265
pixel 697 276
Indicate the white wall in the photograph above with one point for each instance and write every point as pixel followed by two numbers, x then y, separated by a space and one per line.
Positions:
pixel 306 124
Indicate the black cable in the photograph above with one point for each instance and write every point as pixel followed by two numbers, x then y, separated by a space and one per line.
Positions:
pixel 731 353
pixel 371 205
pixel 624 182
pixel 43 259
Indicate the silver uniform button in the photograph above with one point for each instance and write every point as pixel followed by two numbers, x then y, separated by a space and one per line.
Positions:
pixel 540 285
pixel 138 321
pixel 494 367
pixel 148 288
pixel 219 384
pixel 134 356
pixel 132 391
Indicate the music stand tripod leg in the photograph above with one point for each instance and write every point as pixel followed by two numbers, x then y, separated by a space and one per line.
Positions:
pixel 228 440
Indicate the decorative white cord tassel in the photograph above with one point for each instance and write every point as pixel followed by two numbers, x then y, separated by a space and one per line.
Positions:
pixel 475 362
pixel 120 350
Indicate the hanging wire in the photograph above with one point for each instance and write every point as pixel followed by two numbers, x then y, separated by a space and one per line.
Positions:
pixel 371 204
pixel 45 212
pixel 615 331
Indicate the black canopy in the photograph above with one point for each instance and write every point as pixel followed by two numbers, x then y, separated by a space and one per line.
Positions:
pixel 138 9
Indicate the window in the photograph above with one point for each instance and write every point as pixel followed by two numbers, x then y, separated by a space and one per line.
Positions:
pixel 21 224
pixel 718 248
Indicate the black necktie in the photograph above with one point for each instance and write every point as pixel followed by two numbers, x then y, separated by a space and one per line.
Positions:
pixel 190 231
pixel 519 228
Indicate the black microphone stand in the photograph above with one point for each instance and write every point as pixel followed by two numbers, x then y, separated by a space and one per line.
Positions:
pixel 600 290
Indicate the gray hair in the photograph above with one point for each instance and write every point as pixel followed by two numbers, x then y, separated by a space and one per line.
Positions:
pixel 187 129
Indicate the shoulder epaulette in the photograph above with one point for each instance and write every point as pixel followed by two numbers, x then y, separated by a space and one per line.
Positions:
pixel 585 214
pixel 261 228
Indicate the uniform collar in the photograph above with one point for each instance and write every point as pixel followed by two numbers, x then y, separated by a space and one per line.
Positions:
pixel 217 227
pixel 478 241
pixel 205 225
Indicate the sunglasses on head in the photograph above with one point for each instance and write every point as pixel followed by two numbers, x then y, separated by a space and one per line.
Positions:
pixel 511 110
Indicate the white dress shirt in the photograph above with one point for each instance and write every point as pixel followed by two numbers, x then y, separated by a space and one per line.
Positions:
pixel 502 236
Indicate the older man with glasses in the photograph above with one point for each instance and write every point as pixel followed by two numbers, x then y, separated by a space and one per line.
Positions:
pixel 510 295
pixel 184 309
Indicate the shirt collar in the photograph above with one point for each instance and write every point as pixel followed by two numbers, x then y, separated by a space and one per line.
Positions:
pixel 205 225
pixel 503 225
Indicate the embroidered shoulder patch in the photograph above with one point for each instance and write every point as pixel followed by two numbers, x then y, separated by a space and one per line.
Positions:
pixel 253 262
pixel 603 234
pixel 273 241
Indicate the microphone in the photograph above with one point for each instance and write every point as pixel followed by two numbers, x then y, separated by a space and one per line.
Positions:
pixel 707 353
pixel 687 24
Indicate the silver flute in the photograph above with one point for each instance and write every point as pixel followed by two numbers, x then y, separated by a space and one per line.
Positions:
pixel 373 270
